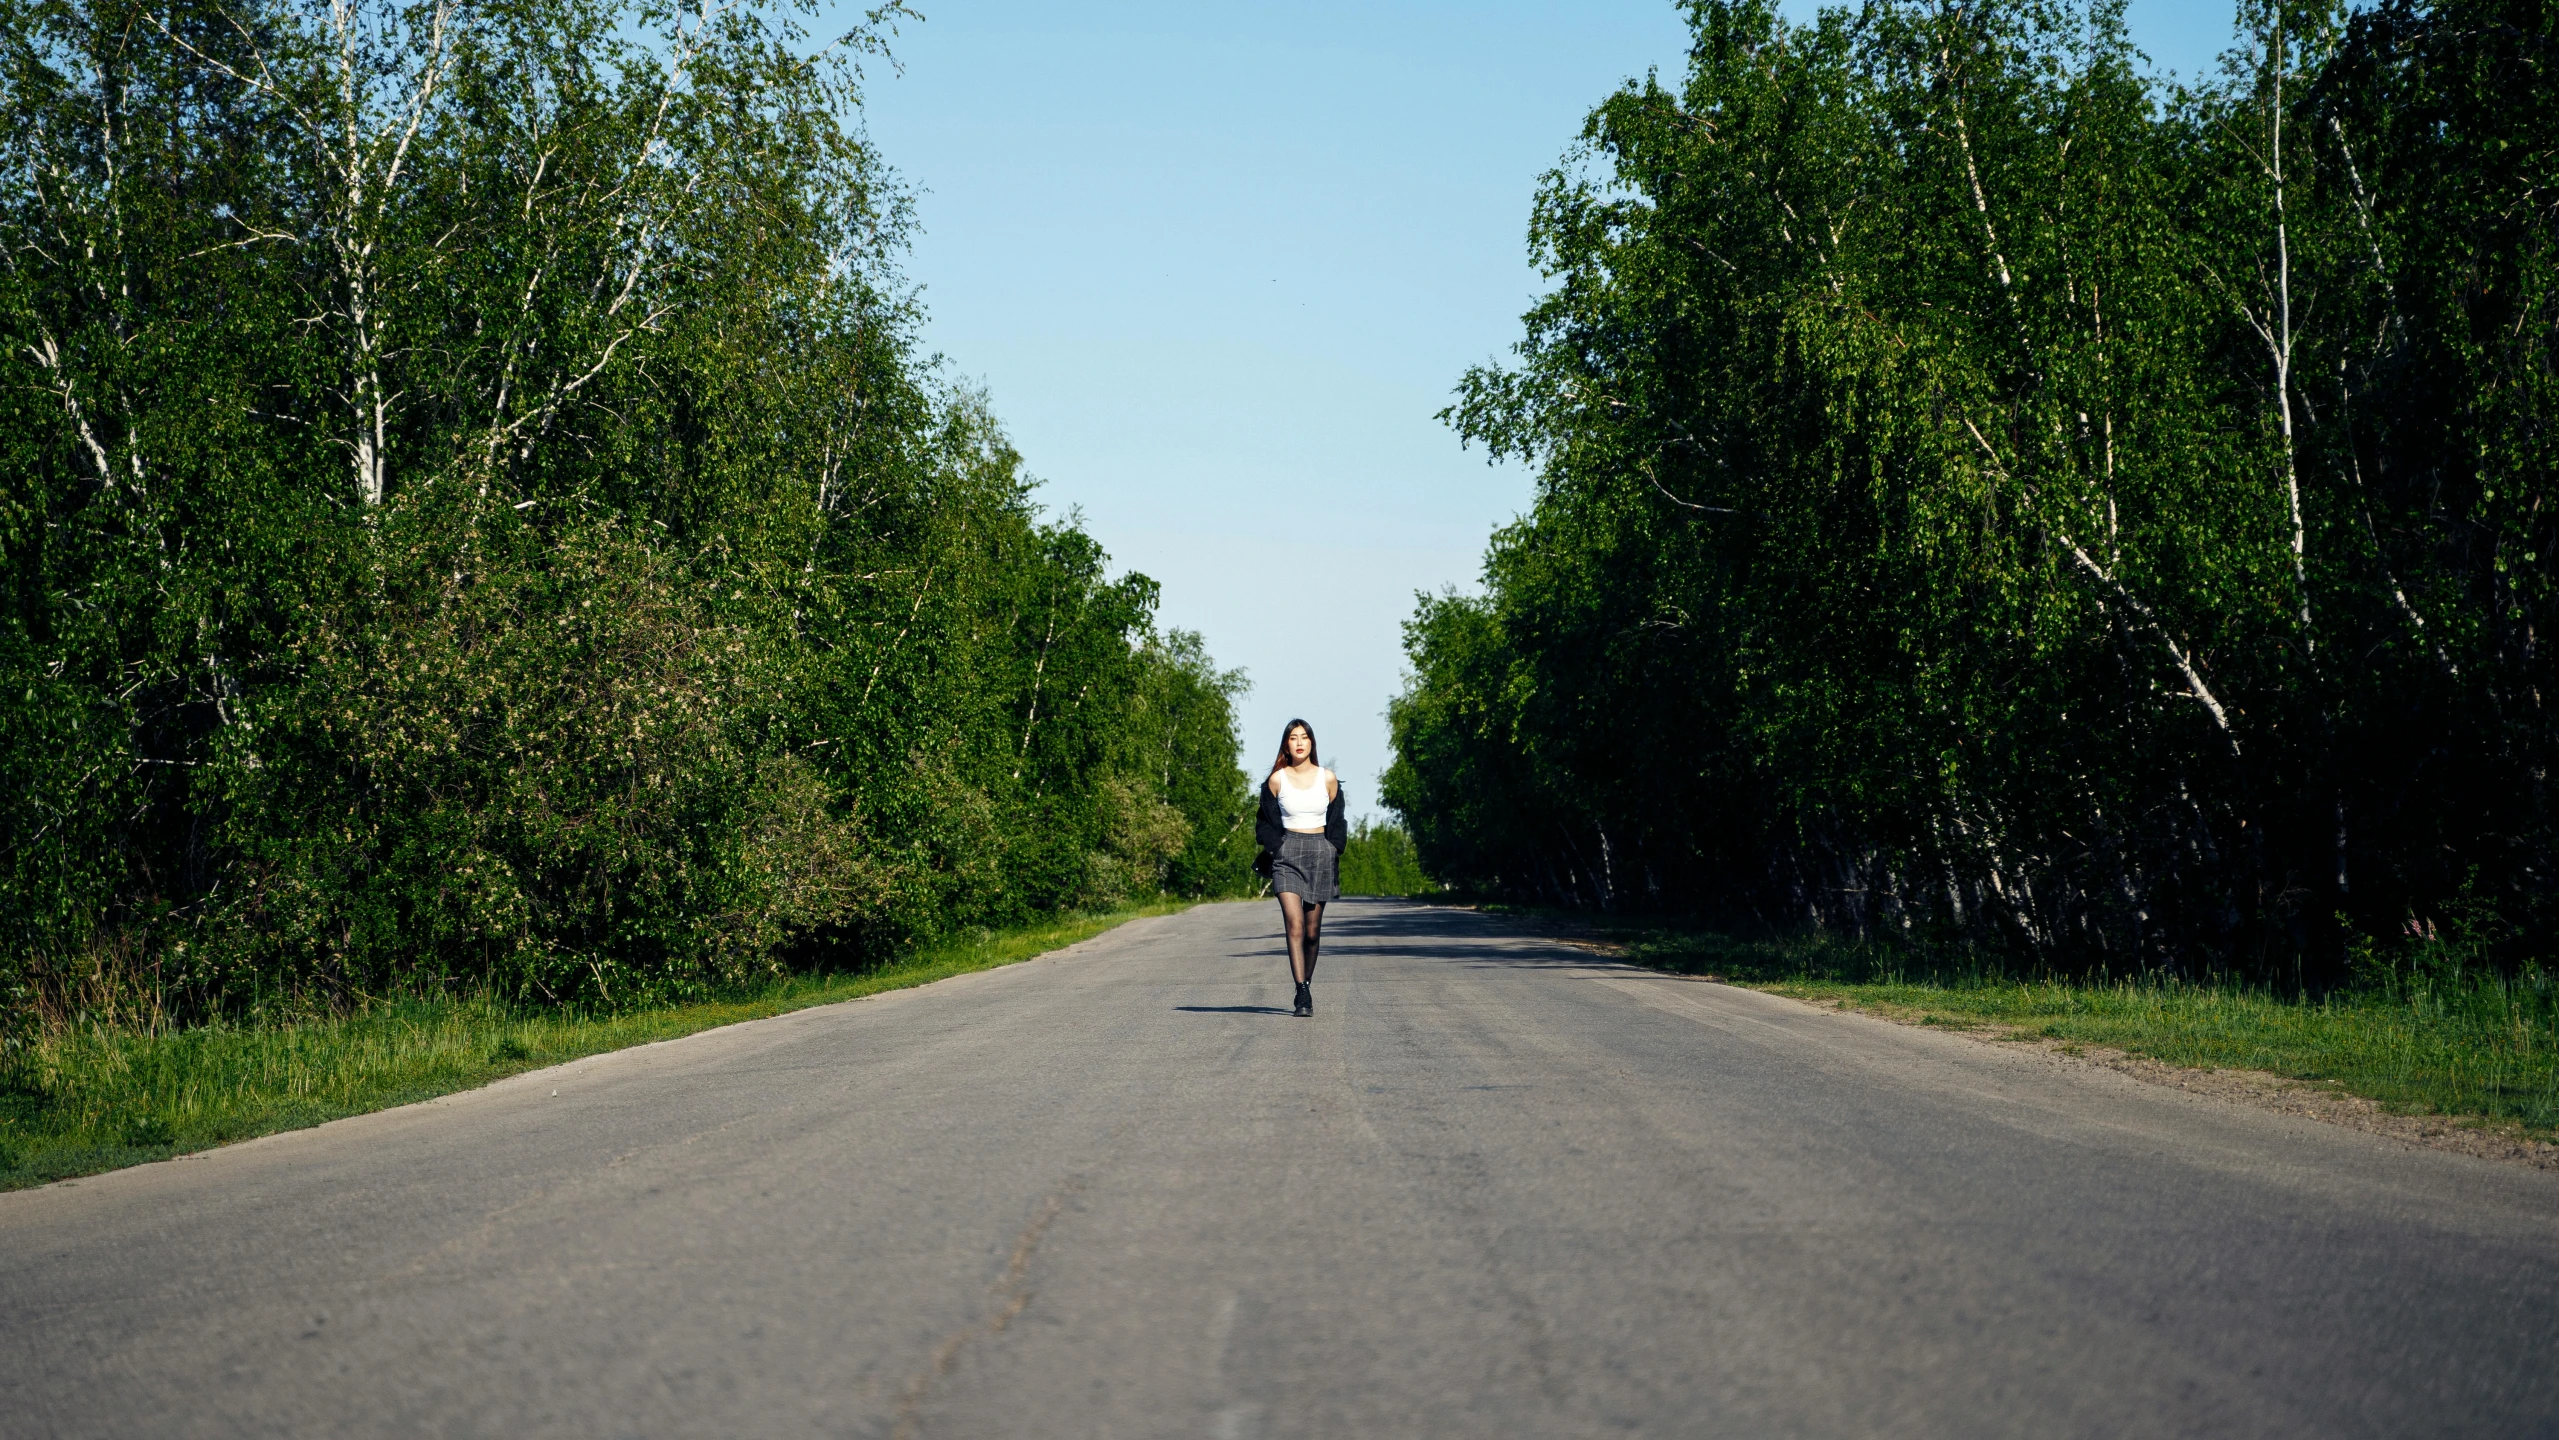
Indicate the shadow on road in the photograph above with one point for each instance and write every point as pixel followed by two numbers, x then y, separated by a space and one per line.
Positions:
pixel 1235 1009
pixel 1438 932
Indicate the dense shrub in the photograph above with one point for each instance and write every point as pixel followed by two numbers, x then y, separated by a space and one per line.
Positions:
pixel 1380 860
pixel 475 515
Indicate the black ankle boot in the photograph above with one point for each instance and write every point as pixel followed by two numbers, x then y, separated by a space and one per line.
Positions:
pixel 1305 999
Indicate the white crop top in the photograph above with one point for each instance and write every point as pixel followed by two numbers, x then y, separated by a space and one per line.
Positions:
pixel 1303 809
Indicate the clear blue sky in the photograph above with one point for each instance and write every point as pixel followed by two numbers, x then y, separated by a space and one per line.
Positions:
pixel 1219 265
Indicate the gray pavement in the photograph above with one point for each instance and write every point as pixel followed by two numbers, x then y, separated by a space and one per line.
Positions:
pixel 1496 1187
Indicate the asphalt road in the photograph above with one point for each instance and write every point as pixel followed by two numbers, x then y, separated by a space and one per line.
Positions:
pixel 1494 1187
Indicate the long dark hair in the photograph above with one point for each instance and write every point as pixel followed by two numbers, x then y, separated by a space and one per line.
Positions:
pixel 1283 762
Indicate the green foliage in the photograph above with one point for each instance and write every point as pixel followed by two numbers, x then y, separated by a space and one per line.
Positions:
pixel 474 517
pixel 1381 860
pixel 1989 503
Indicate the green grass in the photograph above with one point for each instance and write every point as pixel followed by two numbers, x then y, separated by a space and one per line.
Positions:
pixel 95 1099
pixel 2418 1040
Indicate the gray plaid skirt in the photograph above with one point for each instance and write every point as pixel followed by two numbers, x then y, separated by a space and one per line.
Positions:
pixel 1304 866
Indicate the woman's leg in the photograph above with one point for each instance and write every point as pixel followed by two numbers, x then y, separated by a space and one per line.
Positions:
pixel 1312 925
pixel 1293 925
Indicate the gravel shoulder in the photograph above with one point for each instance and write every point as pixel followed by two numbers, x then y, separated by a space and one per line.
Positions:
pixel 2263 1090
pixel 2328 1103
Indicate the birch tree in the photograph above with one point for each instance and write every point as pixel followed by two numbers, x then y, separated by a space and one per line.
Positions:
pixel 1985 496
pixel 476 512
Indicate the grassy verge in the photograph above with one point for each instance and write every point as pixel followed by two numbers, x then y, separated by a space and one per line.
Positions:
pixel 2418 1041
pixel 97 1099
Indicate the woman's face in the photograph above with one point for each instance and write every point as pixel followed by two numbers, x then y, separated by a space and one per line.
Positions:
pixel 1300 744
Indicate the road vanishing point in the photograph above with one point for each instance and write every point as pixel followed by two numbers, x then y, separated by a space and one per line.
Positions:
pixel 1497 1186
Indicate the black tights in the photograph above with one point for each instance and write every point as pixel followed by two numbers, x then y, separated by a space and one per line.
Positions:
pixel 1303 924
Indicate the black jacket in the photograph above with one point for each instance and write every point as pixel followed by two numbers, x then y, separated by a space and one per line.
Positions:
pixel 1267 828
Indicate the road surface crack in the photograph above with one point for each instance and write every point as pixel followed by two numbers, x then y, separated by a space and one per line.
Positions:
pixel 1011 1293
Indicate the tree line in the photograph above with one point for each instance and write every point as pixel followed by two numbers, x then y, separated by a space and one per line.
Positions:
pixel 1990 497
pixel 476 513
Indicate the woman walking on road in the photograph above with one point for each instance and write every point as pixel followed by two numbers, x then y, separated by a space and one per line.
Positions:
pixel 1301 832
